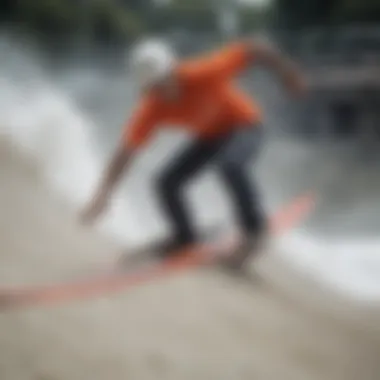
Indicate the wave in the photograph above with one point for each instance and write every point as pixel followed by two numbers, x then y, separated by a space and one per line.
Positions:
pixel 58 138
pixel 350 267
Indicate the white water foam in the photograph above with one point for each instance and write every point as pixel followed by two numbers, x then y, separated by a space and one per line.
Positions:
pixel 351 268
pixel 45 124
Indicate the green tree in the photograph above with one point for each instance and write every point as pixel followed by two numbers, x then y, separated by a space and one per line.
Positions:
pixel 196 15
pixel 253 18
pixel 101 19
pixel 111 20
pixel 51 15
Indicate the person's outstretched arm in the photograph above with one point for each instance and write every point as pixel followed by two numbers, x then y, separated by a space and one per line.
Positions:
pixel 119 163
pixel 136 133
pixel 239 56
pixel 288 71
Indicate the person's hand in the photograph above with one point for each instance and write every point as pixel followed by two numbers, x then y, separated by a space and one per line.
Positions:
pixel 94 209
pixel 297 85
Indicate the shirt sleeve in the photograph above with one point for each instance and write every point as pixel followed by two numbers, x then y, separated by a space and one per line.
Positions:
pixel 141 126
pixel 224 63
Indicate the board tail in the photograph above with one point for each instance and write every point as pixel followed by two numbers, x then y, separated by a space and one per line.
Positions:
pixel 292 214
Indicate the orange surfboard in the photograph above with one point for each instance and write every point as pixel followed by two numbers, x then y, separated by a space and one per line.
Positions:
pixel 286 218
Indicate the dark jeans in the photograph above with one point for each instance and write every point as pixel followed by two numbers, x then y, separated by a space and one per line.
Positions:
pixel 231 154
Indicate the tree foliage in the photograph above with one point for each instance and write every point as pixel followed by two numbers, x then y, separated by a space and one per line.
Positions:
pixel 119 19
pixel 53 15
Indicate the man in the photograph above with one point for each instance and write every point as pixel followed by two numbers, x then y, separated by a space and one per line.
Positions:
pixel 199 96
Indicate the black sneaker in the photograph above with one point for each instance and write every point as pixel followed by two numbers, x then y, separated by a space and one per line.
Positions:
pixel 170 248
pixel 173 247
pixel 164 249
pixel 157 251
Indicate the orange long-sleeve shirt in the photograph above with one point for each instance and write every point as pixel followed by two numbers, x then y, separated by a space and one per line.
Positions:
pixel 209 103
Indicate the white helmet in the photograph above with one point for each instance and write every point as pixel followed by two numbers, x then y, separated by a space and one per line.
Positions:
pixel 151 61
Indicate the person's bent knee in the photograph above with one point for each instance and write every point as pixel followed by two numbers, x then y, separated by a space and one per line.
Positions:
pixel 167 185
pixel 256 223
pixel 231 168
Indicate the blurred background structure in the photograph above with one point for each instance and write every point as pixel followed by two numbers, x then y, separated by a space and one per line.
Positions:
pixel 64 95
pixel 338 41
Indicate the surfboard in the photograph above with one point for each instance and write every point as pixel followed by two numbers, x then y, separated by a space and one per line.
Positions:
pixel 99 285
